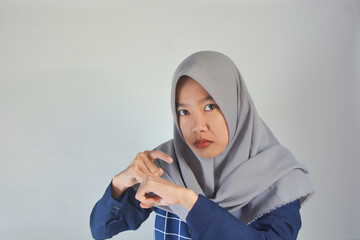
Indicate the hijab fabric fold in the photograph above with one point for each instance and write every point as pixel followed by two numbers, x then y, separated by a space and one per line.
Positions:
pixel 255 174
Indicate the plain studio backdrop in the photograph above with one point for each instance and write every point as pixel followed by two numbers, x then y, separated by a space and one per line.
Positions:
pixel 85 85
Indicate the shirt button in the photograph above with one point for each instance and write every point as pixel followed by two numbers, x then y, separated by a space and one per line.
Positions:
pixel 116 207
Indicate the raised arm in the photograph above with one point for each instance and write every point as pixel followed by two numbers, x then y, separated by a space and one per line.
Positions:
pixel 118 210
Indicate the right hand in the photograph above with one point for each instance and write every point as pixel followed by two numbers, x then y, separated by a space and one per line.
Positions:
pixel 142 165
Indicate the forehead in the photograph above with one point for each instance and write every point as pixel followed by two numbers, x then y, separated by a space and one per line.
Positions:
pixel 188 89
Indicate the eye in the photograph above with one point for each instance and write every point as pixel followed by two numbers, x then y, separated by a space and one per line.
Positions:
pixel 183 112
pixel 210 107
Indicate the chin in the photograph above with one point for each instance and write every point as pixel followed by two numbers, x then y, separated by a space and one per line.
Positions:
pixel 205 154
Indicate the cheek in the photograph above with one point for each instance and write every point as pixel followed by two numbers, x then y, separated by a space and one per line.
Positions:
pixel 222 131
pixel 184 128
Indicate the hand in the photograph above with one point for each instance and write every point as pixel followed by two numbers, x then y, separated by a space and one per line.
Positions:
pixel 142 165
pixel 155 190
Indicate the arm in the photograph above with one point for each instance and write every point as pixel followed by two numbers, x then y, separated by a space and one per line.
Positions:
pixel 209 221
pixel 111 216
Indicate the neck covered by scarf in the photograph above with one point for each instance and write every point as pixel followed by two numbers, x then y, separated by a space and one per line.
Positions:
pixel 255 174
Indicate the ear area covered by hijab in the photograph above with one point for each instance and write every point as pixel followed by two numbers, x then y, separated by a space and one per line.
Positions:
pixel 255 174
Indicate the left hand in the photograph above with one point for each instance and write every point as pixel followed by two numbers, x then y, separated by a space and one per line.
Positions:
pixel 155 190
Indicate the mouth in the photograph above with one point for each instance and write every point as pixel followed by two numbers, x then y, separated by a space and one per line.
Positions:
pixel 202 143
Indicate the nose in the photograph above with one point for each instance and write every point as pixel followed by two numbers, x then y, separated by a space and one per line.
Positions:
pixel 200 124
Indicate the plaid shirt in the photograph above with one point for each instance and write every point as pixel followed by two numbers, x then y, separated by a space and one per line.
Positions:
pixel 169 226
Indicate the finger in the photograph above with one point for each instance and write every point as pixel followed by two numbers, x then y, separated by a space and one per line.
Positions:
pixel 149 162
pixel 140 171
pixel 159 172
pixel 139 176
pixel 144 193
pixel 142 190
pixel 159 154
pixel 150 200
pixel 143 205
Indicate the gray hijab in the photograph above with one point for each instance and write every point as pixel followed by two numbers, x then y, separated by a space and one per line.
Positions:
pixel 255 174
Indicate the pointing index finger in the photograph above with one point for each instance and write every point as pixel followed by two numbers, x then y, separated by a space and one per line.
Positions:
pixel 161 155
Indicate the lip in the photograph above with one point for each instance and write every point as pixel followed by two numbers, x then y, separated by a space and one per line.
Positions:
pixel 202 143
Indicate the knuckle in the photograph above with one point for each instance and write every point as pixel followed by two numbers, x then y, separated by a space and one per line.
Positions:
pixel 135 164
pixel 140 155
pixel 138 159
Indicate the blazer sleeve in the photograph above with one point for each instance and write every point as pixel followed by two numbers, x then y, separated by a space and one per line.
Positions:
pixel 111 216
pixel 207 220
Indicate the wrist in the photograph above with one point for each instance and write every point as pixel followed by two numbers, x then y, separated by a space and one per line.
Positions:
pixel 117 188
pixel 189 198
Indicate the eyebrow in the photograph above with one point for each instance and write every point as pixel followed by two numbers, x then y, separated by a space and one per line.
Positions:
pixel 202 100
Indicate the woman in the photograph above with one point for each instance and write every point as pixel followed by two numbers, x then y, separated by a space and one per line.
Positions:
pixel 224 175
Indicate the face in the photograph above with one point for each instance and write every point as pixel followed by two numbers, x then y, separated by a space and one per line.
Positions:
pixel 200 119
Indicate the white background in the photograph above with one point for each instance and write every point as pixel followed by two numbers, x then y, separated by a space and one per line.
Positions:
pixel 85 85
